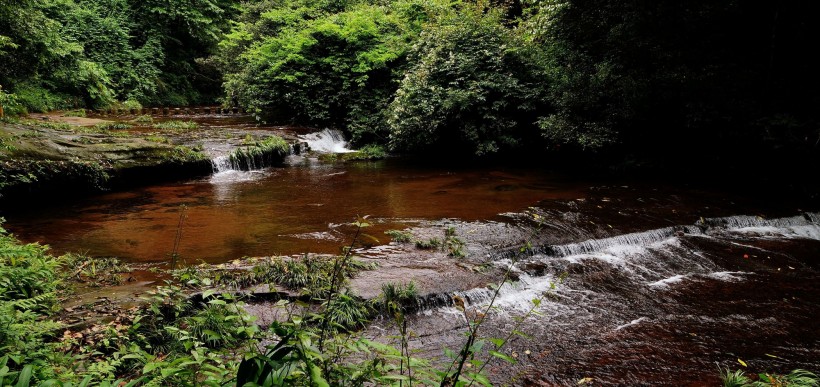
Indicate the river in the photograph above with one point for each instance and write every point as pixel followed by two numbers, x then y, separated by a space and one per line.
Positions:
pixel 662 283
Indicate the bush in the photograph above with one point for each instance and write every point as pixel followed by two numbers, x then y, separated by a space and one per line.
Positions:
pixel 323 64
pixel 469 89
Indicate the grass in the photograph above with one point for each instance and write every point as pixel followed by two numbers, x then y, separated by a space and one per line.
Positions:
pixel 796 378
pixel 143 119
pixel 399 236
pixel 104 127
pixel 176 125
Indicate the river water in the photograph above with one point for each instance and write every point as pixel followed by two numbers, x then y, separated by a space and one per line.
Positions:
pixel 662 283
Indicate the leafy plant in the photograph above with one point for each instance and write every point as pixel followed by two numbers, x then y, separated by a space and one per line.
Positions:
pixel 796 378
pixel 432 243
pixel 399 236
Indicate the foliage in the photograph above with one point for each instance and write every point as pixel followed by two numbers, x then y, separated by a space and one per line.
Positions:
pixel 399 236
pixel 469 89
pixel 17 174
pixel 710 76
pixel 94 271
pixel 176 125
pixel 28 289
pixel 453 244
pixel 432 243
pixel 367 152
pixel 796 378
pixel 9 103
pixel 321 63
pixel 64 53
pixel 395 297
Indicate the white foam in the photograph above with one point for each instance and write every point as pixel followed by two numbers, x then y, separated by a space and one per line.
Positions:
pixel 327 141
pixel 631 323
pixel 664 283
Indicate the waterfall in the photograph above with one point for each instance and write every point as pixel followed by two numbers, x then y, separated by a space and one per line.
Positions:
pixel 222 164
pixel 806 226
pixel 634 239
pixel 327 141
pixel 655 260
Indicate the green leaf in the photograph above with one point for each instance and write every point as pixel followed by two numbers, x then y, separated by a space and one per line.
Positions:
pixel 481 379
pixel 316 376
pixel 503 356
pixel 25 376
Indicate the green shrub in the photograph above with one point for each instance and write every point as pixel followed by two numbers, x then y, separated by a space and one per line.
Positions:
pixel 323 64
pixel 399 236
pixel 10 104
pixel 469 89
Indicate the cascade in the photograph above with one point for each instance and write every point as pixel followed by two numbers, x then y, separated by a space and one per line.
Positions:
pixel 327 141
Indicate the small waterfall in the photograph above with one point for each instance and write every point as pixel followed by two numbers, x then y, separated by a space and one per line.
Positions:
pixel 222 164
pixel 259 156
pixel 806 226
pixel 327 141
pixel 745 221
pixel 641 239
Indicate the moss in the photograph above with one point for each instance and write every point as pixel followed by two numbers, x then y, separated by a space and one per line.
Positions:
pixel 181 154
pixel 29 175
pixel 264 153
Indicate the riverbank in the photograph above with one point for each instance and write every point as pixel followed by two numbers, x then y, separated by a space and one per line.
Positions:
pixel 59 155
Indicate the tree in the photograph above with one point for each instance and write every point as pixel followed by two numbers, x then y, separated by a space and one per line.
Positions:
pixel 471 88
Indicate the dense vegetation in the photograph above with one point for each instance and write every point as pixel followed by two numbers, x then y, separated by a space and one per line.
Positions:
pixel 65 53
pixel 720 80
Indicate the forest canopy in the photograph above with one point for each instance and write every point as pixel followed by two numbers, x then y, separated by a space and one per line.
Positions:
pixel 720 79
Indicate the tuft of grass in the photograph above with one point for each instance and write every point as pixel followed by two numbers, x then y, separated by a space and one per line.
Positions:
pixel 796 378
pixel 734 378
pixel 367 152
pixel 395 297
pixel 399 236
pixel 432 243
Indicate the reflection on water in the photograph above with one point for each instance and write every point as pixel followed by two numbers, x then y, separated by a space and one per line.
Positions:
pixel 284 210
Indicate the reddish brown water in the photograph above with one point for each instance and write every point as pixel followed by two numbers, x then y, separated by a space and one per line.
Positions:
pixel 641 305
pixel 302 207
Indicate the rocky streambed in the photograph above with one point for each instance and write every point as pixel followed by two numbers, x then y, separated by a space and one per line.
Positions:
pixel 636 283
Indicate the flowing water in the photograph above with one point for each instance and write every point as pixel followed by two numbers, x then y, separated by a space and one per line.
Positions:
pixel 639 284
